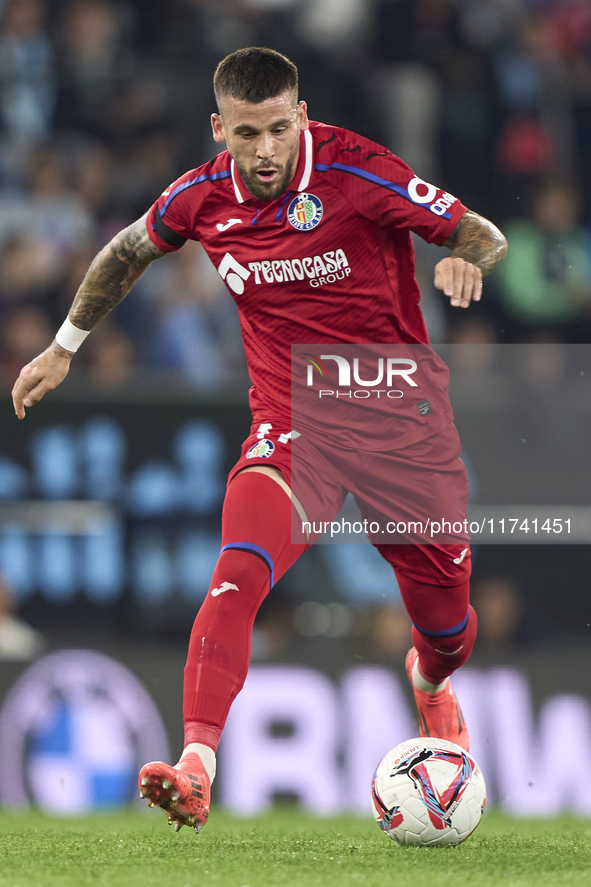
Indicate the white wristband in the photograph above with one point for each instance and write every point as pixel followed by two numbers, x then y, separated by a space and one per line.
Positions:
pixel 69 336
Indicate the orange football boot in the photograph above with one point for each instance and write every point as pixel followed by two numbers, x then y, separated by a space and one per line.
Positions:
pixel 439 714
pixel 183 791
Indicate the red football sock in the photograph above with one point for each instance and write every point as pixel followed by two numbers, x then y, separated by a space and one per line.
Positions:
pixel 256 551
pixel 440 656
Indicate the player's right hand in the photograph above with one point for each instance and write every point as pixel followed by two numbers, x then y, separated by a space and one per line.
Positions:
pixel 43 374
pixel 460 280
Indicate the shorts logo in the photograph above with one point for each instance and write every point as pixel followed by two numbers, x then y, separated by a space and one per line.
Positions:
pixel 261 450
pixel 305 212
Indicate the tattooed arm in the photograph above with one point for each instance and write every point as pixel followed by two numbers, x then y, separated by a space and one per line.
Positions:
pixel 108 280
pixel 112 274
pixel 477 246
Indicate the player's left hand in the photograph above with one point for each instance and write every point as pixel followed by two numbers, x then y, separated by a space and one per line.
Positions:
pixel 460 280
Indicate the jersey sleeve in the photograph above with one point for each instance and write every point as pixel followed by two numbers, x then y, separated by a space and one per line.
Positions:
pixel 171 219
pixel 387 191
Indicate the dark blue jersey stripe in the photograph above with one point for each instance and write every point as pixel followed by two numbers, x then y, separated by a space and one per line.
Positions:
pixel 376 180
pixel 280 210
pixel 224 174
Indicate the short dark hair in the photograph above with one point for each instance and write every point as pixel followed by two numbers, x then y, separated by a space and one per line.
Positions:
pixel 255 74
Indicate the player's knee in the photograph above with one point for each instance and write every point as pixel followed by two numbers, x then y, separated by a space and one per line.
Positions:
pixel 240 576
pixel 441 654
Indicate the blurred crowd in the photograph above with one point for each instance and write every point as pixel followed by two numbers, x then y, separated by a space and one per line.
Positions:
pixel 104 102
pixel 379 631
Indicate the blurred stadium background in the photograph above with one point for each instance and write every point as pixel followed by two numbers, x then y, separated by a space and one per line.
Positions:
pixel 111 489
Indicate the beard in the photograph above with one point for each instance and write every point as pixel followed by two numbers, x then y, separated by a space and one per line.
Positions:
pixel 263 191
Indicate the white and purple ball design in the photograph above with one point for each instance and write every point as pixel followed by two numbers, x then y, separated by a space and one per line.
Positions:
pixel 428 792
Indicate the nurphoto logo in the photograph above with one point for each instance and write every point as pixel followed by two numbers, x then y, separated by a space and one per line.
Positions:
pixel 388 371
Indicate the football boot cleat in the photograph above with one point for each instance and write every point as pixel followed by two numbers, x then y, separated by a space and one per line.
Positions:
pixel 182 791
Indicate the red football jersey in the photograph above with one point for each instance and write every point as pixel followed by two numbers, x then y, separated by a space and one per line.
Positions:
pixel 329 261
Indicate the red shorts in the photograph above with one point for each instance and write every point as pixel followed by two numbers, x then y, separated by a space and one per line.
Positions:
pixel 415 495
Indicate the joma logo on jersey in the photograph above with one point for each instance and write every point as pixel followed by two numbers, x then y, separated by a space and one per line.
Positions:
pixel 320 270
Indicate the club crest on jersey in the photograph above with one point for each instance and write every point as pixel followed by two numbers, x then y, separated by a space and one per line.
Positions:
pixel 261 450
pixel 305 212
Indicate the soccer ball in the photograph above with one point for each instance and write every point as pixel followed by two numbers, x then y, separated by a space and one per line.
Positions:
pixel 428 792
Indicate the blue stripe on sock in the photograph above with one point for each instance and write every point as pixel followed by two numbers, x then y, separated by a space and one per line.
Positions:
pixel 446 632
pixel 256 549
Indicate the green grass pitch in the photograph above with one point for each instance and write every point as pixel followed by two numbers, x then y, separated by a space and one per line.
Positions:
pixel 283 849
